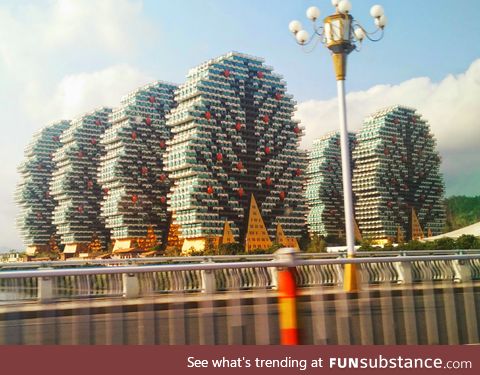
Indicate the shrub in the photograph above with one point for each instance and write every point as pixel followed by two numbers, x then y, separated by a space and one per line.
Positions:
pixel 366 245
pixel 230 249
pixel 172 251
pixel 445 244
pixel 468 241
pixel 316 245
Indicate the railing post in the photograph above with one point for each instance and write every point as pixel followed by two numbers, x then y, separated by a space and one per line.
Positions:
pixel 287 297
pixel 274 275
pixel 131 286
pixel 404 270
pixel 339 272
pixel 45 289
pixel 208 281
pixel 207 277
pixel 461 271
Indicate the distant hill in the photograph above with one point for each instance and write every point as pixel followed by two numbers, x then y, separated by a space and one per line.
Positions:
pixel 461 211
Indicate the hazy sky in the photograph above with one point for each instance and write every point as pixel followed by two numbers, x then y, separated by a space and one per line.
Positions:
pixel 61 58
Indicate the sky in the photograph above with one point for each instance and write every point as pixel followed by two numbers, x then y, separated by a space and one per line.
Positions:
pixel 60 58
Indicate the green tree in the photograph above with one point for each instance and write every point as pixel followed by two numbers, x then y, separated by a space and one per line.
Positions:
pixel 275 246
pixel 158 248
pixel 316 245
pixel 461 211
pixel 172 251
pixel 304 241
pixel 413 245
pixel 46 254
pixel 388 246
pixel 210 248
pixel 335 240
pixel 468 241
pixel 366 245
pixel 445 244
pixel 230 249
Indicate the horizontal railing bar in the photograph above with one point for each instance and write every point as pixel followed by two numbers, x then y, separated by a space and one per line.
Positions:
pixel 393 252
pixel 193 259
pixel 138 269
pixel 402 259
pixel 219 258
pixel 227 265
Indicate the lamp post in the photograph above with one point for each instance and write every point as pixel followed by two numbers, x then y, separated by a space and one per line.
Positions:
pixel 342 34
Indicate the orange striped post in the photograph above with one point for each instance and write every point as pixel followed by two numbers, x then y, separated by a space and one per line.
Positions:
pixel 287 300
pixel 350 277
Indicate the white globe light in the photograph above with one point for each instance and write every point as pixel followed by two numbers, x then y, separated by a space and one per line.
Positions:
pixel 344 6
pixel 376 11
pixel 295 26
pixel 359 34
pixel 302 37
pixel 313 13
pixel 335 2
pixel 381 21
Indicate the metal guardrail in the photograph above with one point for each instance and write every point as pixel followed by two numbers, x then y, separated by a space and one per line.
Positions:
pixel 222 258
pixel 259 272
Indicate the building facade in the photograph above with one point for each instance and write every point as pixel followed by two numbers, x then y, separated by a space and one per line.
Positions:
pixel 131 173
pixel 32 195
pixel 396 179
pixel 74 185
pixel 234 137
pixel 324 189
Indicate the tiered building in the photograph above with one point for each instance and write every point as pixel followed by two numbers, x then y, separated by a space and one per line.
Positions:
pixel 396 180
pixel 234 137
pixel 324 189
pixel 32 195
pixel 74 185
pixel 217 160
pixel 132 175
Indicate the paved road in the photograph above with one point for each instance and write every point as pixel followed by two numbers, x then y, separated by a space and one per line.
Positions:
pixel 427 314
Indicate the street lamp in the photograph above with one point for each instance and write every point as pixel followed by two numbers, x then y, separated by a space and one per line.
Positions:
pixel 342 34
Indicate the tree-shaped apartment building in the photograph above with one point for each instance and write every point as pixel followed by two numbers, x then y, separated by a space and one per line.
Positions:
pixel 324 190
pixel 234 138
pixel 396 179
pixel 33 197
pixel 134 182
pixel 74 185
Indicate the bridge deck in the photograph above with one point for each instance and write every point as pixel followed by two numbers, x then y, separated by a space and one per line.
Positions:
pixel 434 313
